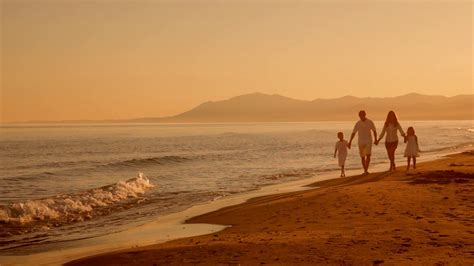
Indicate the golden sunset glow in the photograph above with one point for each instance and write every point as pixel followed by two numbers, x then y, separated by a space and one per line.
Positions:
pixel 127 59
pixel 243 132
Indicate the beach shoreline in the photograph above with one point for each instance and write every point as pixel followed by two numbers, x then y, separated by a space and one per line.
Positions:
pixel 164 229
pixel 395 225
pixel 152 233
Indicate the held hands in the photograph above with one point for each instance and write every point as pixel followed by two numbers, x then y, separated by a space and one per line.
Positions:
pixel 376 142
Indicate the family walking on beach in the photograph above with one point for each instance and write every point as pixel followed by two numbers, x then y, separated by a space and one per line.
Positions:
pixel 364 128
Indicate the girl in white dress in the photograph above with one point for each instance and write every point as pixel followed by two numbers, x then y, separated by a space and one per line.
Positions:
pixel 341 149
pixel 412 149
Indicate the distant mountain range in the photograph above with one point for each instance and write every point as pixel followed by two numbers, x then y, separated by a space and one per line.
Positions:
pixel 259 107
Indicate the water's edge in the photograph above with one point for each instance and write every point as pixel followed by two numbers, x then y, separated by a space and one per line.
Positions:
pixel 168 227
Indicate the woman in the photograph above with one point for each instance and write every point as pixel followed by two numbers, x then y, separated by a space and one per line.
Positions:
pixel 390 128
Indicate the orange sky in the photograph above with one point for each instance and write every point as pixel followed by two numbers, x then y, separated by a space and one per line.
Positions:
pixel 126 59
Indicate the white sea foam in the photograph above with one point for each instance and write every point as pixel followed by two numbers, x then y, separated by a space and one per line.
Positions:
pixel 74 206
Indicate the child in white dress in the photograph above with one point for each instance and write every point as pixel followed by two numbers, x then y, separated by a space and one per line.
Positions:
pixel 341 150
pixel 412 149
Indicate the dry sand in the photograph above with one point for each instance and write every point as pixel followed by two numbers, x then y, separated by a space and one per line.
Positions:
pixel 423 217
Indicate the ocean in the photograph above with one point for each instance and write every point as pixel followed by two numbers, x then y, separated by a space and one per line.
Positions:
pixel 68 182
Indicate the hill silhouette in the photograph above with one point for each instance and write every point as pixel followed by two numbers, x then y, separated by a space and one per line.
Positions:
pixel 259 107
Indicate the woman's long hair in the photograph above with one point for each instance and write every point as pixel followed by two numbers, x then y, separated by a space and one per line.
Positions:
pixel 391 119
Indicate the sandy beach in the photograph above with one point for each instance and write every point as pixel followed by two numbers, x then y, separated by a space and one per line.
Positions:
pixel 424 216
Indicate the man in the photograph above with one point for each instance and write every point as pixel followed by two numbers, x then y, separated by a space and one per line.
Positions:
pixel 363 128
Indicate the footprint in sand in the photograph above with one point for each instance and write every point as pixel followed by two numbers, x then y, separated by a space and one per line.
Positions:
pixel 377 262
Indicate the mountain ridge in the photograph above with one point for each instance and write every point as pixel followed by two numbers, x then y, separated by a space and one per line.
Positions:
pixel 260 107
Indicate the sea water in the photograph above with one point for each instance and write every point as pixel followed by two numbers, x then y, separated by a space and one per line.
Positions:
pixel 67 182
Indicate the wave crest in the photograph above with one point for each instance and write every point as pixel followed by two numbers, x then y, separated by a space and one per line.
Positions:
pixel 153 160
pixel 74 207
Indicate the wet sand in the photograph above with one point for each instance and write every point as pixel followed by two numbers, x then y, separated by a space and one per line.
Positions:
pixel 423 217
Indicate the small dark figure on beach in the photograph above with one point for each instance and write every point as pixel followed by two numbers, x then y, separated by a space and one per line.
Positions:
pixel 341 149
pixel 412 149
pixel 363 128
pixel 390 127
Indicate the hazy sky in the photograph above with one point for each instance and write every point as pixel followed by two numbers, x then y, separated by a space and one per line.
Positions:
pixel 125 59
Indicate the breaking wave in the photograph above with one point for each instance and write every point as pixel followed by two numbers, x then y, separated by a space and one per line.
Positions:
pixel 74 207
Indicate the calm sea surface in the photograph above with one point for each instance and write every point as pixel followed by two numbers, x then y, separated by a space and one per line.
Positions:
pixel 64 182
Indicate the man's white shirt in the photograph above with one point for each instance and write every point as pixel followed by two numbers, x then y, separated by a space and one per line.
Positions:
pixel 363 129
